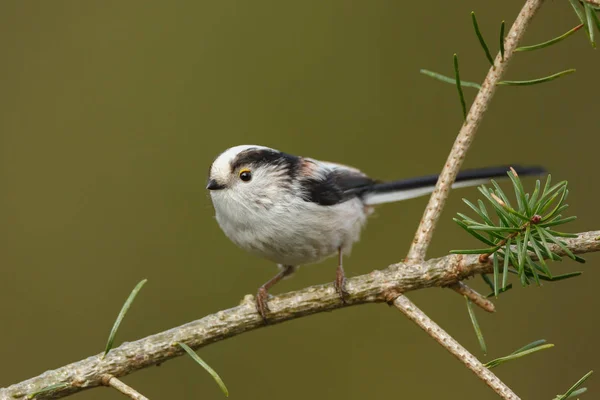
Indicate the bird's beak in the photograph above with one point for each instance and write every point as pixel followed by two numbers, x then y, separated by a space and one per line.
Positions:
pixel 214 185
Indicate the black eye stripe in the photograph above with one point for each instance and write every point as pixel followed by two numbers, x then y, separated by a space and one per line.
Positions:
pixel 257 158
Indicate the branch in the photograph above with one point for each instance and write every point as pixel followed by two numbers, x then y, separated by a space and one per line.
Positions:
pixel 475 297
pixel 128 391
pixel 375 287
pixel 465 137
pixel 418 317
pixel 439 196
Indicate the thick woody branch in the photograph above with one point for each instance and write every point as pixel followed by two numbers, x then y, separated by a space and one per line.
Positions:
pixel 467 132
pixel 377 286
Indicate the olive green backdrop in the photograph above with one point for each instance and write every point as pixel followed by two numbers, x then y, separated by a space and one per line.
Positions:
pixel 112 111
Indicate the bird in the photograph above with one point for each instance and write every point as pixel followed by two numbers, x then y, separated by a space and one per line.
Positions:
pixel 294 210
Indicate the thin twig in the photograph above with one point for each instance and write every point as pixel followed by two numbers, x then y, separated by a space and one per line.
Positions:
pixel 109 380
pixel 373 287
pixel 467 132
pixel 433 329
pixel 475 297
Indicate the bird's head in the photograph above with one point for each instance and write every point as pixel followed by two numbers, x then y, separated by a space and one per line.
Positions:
pixel 250 172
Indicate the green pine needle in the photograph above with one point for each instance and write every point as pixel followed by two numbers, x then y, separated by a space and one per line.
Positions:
pixel 48 389
pixel 488 55
pixel 533 347
pixel 447 79
pixel 596 18
pixel 502 25
pixel 529 346
pixel 459 87
pixel 551 41
pixel 113 331
pixel 573 390
pixel 580 14
pixel 506 262
pixel 500 291
pixel 460 83
pixel 496 273
pixel 589 20
pixel 488 281
pixel 478 332
pixel 538 80
pixel 207 367
pixel 583 18
pixel 576 393
pixel 564 276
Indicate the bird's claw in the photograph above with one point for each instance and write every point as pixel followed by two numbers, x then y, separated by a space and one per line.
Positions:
pixel 340 288
pixel 262 306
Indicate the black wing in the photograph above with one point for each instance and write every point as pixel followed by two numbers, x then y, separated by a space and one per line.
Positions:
pixel 337 186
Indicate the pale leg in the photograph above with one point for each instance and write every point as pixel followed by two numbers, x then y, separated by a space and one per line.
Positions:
pixel 340 278
pixel 262 295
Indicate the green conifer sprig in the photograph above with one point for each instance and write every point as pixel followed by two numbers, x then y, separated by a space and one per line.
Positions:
pixel 521 237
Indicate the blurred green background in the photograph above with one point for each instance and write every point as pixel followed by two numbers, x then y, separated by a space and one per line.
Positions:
pixel 111 112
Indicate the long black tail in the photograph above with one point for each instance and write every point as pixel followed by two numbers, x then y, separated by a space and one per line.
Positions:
pixel 414 187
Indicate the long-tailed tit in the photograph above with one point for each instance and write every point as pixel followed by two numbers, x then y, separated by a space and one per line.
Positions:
pixel 294 210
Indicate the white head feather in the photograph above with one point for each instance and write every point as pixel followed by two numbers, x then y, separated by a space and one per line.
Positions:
pixel 221 167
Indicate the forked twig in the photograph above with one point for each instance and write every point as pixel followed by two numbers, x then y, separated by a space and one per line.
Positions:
pixel 439 196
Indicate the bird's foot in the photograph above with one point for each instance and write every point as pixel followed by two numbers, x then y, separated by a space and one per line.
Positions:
pixel 340 286
pixel 261 303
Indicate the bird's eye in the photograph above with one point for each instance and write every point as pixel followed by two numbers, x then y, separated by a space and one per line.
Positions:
pixel 245 175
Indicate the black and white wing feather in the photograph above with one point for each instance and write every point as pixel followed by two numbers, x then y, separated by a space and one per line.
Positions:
pixel 334 184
